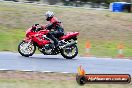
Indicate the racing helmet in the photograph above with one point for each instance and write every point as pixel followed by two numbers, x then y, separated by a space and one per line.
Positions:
pixel 49 15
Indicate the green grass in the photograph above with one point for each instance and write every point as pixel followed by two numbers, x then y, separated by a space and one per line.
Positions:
pixel 105 48
pixel 104 29
pixel 21 83
pixel 9 40
pixel 17 79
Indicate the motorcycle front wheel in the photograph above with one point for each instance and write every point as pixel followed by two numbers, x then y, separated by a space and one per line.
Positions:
pixel 70 52
pixel 26 48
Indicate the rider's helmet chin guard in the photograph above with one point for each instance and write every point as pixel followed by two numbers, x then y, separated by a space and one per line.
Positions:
pixel 49 15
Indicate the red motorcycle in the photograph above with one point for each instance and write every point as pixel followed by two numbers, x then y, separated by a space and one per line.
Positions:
pixel 35 37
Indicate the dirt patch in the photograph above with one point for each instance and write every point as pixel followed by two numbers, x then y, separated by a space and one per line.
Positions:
pixel 36 75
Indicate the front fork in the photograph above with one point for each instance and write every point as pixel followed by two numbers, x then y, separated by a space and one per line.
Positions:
pixel 28 41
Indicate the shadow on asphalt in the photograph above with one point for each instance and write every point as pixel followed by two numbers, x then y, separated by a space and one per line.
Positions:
pixel 54 58
pixel 47 58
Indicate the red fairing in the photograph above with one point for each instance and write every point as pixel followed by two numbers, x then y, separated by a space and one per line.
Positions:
pixel 28 30
pixel 36 37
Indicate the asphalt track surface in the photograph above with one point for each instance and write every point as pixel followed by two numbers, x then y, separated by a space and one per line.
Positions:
pixel 44 63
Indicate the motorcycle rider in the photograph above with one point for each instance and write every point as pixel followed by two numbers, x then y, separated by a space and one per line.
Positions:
pixel 54 24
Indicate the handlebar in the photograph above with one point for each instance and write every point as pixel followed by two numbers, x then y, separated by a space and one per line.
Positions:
pixel 36 24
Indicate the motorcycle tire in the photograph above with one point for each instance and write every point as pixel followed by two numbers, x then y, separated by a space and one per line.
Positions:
pixel 26 55
pixel 70 57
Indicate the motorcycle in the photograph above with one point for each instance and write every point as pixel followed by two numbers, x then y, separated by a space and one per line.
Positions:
pixel 36 37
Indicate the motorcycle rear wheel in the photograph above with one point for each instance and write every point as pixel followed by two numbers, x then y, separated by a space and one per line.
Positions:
pixel 28 50
pixel 66 53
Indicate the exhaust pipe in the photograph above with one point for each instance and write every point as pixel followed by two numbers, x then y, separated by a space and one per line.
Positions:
pixel 70 44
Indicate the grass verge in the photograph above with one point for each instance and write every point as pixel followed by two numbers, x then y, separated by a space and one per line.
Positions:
pixel 18 83
pixel 11 79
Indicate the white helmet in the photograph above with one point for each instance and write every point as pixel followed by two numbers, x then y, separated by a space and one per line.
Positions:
pixel 49 14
